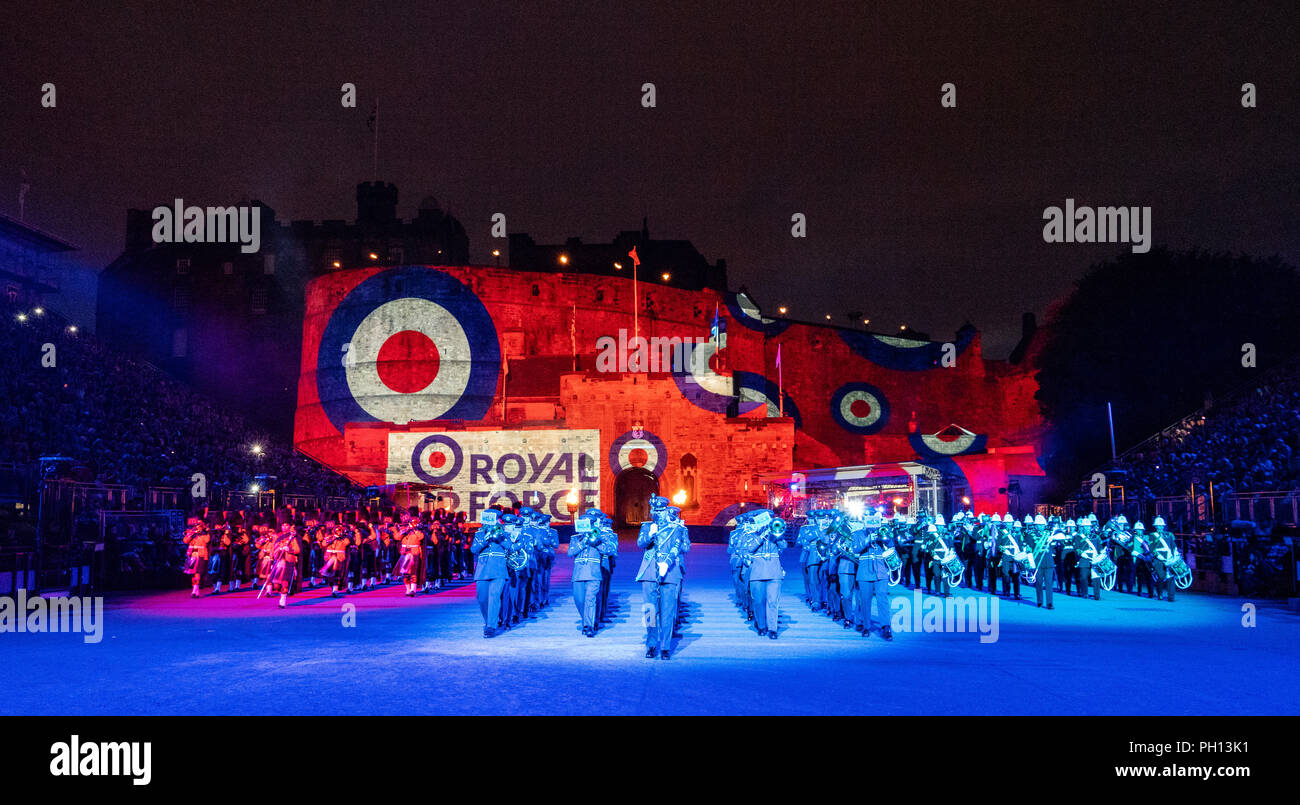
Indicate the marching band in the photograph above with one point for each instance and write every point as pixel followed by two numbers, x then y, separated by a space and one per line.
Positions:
pixel 848 560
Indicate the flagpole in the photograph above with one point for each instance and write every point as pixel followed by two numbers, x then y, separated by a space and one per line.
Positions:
pixel 636 323
pixel 780 383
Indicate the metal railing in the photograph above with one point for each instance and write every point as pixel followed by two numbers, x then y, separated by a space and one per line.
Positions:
pixel 1281 508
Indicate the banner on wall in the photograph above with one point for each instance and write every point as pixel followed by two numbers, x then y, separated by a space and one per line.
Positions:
pixel 535 468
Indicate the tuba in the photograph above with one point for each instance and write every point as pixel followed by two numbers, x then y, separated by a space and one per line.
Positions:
pixel 517 553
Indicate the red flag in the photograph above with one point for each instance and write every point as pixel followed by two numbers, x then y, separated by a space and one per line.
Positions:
pixel 636 261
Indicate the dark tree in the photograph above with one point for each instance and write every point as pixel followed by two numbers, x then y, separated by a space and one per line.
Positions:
pixel 1155 335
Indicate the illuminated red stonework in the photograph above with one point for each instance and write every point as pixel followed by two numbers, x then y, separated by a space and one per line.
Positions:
pixel 539 318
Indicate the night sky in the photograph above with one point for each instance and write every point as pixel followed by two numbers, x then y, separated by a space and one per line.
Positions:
pixel 916 214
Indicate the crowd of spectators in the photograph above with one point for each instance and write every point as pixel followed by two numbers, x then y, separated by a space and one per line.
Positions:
pixel 126 421
pixel 1248 442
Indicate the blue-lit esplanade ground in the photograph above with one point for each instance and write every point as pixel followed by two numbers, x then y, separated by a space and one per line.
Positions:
pixel 165 653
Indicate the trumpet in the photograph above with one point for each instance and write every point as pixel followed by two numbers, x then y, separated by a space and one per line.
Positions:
pixel 777 527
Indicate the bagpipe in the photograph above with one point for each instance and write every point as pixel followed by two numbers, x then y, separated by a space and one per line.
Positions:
pixel 336 565
pixel 278 562
pixel 406 561
pixel 1174 565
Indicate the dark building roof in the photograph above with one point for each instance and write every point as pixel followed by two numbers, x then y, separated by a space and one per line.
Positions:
pixel 683 263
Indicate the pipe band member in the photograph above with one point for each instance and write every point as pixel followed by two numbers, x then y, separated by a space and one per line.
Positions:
pixel 196 540
pixel 411 563
pixel 285 553
pixel 219 553
pixel 335 569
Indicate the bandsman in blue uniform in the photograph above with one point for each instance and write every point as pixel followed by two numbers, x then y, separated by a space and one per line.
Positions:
pixel 605 525
pixel 588 547
pixel 735 560
pixel 812 536
pixel 762 554
pixel 490 572
pixel 665 542
pixel 549 549
pixel 846 566
pixel 872 579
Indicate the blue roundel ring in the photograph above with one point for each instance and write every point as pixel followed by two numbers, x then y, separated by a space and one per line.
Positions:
pixel 756 384
pixel 904 354
pixel 730 513
pixel 927 449
pixel 751 318
pixel 416 282
pixel 842 403
pixel 656 444
pixel 417 456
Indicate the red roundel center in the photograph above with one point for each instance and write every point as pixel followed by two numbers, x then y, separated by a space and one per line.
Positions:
pixel 437 460
pixel 860 409
pixel 407 362
pixel 638 457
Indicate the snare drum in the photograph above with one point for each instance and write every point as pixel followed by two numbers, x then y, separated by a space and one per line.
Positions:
pixel 1103 567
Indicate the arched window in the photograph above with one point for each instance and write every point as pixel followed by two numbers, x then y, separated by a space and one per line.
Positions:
pixel 689 475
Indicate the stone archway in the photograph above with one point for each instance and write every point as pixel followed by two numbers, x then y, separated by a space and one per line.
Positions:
pixel 632 490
